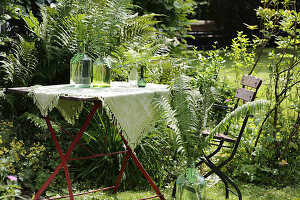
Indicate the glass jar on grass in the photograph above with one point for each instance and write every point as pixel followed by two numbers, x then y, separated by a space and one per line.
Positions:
pixel 101 74
pixel 190 185
pixel 80 69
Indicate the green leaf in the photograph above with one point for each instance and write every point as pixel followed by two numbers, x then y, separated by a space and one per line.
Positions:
pixel 32 23
pixel 6 16
pixel 168 7
pixel 177 5
pixel 270 139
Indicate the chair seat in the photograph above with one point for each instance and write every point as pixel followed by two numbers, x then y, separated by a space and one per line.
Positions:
pixel 220 136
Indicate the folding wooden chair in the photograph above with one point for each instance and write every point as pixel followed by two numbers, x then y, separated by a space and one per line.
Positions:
pixel 250 85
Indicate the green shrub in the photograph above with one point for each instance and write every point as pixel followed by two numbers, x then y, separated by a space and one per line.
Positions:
pixel 173 14
pixel 16 158
pixel 270 154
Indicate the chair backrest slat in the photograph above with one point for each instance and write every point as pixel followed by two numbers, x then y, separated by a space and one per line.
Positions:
pixel 244 94
pixel 251 81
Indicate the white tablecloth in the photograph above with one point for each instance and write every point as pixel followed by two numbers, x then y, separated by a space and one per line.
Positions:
pixel 132 107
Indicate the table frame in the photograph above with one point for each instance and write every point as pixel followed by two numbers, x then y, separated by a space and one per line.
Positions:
pixel 66 157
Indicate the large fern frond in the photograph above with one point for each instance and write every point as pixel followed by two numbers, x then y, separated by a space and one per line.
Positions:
pixel 250 108
pixel 165 110
pixel 37 121
pixel 21 63
pixel 149 53
pixel 182 115
pixel 138 28
pixel 187 114
pixel 186 103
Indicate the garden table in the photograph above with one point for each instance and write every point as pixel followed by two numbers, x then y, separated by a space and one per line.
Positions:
pixel 130 107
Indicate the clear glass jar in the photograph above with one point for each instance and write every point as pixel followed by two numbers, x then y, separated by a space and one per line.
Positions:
pixel 133 77
pixel 80 69
pixel 190 185
pixel 101 74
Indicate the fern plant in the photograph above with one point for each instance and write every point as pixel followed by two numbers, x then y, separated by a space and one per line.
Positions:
pixel 187 115
pixel 108 28
pixel 43 57
pixel 147 53
pixel 21 63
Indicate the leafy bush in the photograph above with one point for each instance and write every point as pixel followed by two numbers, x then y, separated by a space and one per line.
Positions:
pixel 269 153
pixel 9 188
pixel 173 14
pixel 16 158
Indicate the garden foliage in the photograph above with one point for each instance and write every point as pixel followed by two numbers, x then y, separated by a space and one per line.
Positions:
pixel 270 149
pixel 43 56
pixel 173 14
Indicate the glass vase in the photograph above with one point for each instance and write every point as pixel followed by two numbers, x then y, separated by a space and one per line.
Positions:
pixel 142 82
pixel 80 69
pixel 101 74
pixel 133 77
pixel 190 185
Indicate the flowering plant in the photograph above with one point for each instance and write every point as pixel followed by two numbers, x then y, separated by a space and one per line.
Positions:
pixel 11 188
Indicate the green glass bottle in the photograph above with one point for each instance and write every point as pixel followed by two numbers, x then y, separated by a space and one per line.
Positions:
pixel 190 185
pixel 142 82
pixel 80 68
pixel 101 74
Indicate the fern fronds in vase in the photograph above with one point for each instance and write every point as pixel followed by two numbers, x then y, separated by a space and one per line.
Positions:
pixel 187 114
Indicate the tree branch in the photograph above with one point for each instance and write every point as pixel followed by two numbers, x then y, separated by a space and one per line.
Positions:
pixel 262 124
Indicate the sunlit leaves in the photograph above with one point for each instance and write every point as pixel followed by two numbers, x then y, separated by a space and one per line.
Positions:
pixel 250 108
pixel 32 23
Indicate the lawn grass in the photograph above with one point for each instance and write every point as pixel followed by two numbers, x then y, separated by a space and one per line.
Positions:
pixel 253 192
pixel 260 71
pixel 216 191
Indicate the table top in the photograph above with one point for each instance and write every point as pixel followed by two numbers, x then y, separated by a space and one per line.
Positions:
pixel 66 92
pixel 25 90
pixel 132 107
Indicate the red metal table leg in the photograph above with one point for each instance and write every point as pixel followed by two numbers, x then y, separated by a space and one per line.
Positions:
pixel 140 166
pixel 81 131
pixel 142 169
pixel 63 157
pixel 121 172
pixel 49 180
